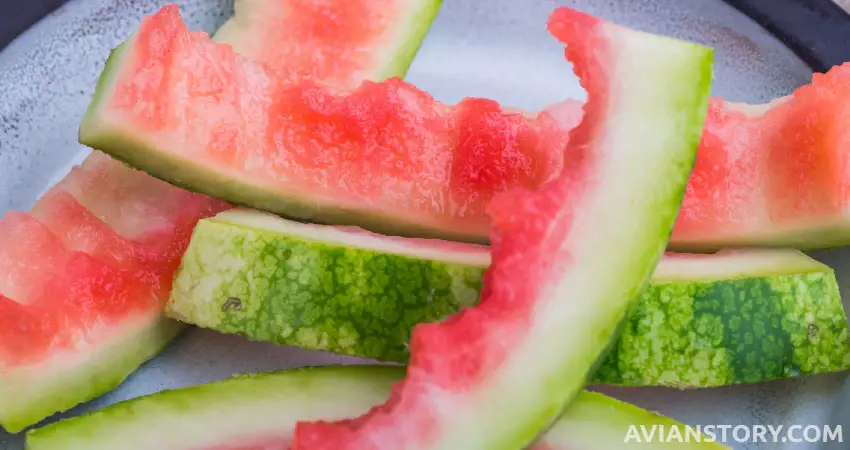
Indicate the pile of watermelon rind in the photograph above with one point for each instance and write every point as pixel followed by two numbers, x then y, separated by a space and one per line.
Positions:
pixel 578 203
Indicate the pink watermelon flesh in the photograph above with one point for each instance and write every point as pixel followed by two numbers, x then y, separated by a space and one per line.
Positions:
pixel 535 247
pixel 385 156
pixel 64 243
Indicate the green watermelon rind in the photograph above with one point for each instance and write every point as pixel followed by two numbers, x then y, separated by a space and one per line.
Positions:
pixel 33 393
pixel 244 407
pixel 676 336
pixel 314 292
pixel 780 317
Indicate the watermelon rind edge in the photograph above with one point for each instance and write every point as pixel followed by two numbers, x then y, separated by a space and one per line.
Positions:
pixel 245 407
pixel 27 396
pixel 413 31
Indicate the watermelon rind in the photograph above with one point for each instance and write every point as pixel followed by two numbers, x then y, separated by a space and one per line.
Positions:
pixel 321 287
pixel 101 129
pixel 248 409
pixel 739 316
pixel 396 51
pixel 31 393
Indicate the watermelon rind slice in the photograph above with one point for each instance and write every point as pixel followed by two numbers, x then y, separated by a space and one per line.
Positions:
pixel 262 409
pixel 389 50
pixel 30 393
pixel 314 153
pixel 738 316
pixel 341 289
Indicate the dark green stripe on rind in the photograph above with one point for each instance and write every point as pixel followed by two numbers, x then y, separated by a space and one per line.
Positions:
pixel 272 287
pixel 247 408
pixel 744 324
pixel 712 333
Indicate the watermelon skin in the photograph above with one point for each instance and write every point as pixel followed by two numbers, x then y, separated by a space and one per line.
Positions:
pixel 300 150
pixel 320 41
pixel 260 411
pixel 569 259
pixel 696 325
pixel 313 293
pixel 772 314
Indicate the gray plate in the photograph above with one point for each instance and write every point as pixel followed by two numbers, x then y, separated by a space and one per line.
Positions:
pixel 497 49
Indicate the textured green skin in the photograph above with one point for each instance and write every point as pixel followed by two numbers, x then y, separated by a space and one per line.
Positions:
pixel 311 294
pixel 227 408
pixel 699 334
pixel 683 333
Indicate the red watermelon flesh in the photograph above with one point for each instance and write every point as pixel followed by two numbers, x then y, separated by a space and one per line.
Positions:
pixel 486 378
pixel 386 156
pixel 320 40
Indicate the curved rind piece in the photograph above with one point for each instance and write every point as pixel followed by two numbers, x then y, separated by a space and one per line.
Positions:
pixel 357 39
pixel 32 393
pixel 262 409
pixel 353 292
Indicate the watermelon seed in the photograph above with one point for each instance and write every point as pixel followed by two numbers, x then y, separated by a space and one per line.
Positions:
pixel 232 302
pixel 813 330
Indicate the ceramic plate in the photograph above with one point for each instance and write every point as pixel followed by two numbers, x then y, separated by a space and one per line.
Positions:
pixel 494 48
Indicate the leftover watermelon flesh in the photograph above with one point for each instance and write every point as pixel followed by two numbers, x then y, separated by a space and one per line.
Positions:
pixel 259 411
pixel 498 374
pixel 774 174
pixel 385 156
pixel 771 175
pixel 336 42
pixel 85 275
